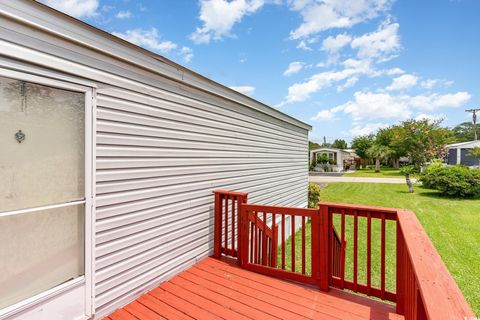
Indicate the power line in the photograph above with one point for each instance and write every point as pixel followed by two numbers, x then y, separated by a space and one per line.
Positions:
pixel 474 120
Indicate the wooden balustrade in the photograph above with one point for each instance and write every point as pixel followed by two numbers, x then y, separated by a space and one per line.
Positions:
pixel 255 233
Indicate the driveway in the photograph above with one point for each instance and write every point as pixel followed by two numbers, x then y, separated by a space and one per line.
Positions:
pixel 327 179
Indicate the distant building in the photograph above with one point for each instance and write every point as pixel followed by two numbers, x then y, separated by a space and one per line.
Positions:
pixel 338 159
pixel 457 153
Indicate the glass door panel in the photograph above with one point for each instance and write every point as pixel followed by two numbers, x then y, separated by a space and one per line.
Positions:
pixel 42 168
pixel 47 166
pixel 39 251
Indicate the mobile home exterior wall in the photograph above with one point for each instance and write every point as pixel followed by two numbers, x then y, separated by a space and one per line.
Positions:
pixel 164 138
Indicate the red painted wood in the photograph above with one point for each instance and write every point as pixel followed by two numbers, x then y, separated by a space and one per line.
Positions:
pixel 382 266
pixel 217 236
pixel 369 253
pixel 428 275
pixel 225 199
pixel 362 288
pixel 415 291
pixel 323 251
pixel 275 241
pixel 303 245
pixel 162 308
pixel 355 250
pixel 233 225
pixel 122 314
pixel 141 312
pixel 292 243
pixel 342 257
pixel 283 241
pixel 264 240
pixel 252 239
pixel 315 247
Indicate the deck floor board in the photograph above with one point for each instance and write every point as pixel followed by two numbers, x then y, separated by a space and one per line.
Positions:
pixel 218 289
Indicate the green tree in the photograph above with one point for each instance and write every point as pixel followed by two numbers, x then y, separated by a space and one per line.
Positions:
pixel 313 145
pixel 378 152
pixel 474 153
pixel 339 144
pixel 463 132
pixel 421 140
pixel 385 137
pixel 361 145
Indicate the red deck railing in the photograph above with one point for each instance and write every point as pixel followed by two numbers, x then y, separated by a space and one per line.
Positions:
pixel 255 234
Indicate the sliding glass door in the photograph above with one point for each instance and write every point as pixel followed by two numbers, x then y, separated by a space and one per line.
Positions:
pixel 42 188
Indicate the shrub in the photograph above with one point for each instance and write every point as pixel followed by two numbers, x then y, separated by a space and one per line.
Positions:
pixel 313 195
pixel 452 181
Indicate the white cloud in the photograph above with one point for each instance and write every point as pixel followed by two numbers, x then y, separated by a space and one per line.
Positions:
pixel 431 83
pixel 123 15
pixel 75 8
pixel 294 67
pixel 219 17
pixel 326 115
pixel 370 105
pixel 334 44
pixel 381 44
pixel 402 82
pixel 394 71
pixel 348 84
pixel 186 53
pixel 304 46
pixel 367 129
pixel 247 90
pixel 436 101
pixel 299 92
pixel 149 39
pixel 321 15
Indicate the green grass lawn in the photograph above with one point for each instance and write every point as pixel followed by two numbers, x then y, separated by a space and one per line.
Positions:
pixel 452 225
pixel 370 173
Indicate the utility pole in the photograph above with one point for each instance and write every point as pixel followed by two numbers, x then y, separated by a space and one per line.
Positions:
pixel 474 118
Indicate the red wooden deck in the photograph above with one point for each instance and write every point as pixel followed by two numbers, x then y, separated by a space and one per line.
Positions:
pixel 219 289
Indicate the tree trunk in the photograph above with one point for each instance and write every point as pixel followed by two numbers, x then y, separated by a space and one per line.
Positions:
pixel 396 163
pixel 377 164
pixel 409 183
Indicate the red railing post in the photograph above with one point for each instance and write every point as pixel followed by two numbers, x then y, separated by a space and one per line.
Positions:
pixel 400 261
pixel 324 247
pixel 217 233
pixel 241 228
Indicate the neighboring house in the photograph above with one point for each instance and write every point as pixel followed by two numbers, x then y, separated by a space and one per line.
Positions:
pixel 457 153
pixel 338 159
pixel 109 157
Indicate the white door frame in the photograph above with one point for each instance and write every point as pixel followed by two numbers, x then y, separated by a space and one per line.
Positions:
pixel 89 91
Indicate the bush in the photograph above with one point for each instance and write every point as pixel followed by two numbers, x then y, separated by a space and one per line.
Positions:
pixel 313 195
pixel 452 181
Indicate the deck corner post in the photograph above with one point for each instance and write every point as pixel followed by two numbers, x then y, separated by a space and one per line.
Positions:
pixel 323 251
pixel 217 233
pixel 243 199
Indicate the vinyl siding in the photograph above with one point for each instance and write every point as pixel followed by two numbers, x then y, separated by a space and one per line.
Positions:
pixel 163 143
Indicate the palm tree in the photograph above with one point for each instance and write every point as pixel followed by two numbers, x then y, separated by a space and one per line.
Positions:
pixel 378 152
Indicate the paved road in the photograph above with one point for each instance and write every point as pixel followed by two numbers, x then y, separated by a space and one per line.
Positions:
pixel 326 179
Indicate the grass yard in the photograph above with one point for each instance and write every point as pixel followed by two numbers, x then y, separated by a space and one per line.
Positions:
pixel 370 173
pixel 452 225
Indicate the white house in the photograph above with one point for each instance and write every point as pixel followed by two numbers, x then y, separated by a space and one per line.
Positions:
pixel 457 153
pixel 109 155
pixel 339 159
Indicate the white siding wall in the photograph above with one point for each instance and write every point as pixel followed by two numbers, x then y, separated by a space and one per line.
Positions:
pixel 162 147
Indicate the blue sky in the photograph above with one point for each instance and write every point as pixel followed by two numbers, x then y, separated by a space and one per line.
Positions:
pixel 345 67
